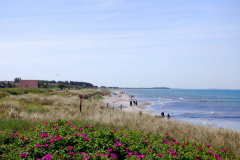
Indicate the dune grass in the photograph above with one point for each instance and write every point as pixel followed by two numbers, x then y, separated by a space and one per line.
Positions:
pixel 39 108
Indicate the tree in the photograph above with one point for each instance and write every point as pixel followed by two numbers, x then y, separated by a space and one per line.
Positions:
pixel 10 85
pixel 61 85
pixel 17 79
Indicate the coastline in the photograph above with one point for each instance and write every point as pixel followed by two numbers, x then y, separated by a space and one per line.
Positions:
pixel 206 120
pixel 117 100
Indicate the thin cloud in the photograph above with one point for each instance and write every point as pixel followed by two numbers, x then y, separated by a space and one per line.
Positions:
pixel 177 23
pixel 108 16
pixel 108 3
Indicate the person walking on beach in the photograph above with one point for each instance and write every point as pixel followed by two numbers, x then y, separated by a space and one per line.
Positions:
pixel 168 115
pixel 130 103
pixel 136 102
pixel 162 114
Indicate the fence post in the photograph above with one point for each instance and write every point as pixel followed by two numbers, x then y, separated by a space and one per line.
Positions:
pixel 121 107
pixel 80 107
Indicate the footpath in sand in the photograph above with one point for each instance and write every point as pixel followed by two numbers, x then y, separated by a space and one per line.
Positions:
pixel 123 99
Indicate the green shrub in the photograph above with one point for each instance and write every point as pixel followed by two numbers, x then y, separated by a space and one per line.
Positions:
pixel 62 140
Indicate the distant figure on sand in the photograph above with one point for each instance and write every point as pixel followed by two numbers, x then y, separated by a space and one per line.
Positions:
pixel 168 115
pixel 162 114
pixel 136 102
pixel 130 103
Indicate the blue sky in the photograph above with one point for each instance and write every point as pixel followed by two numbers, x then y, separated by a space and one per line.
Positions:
pixel 137 43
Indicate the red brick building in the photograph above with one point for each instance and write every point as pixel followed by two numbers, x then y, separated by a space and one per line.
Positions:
pixel 28 84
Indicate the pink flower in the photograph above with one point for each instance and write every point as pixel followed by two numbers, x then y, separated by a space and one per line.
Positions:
pixel 82 153
pixel 141 156
pixel 85 158
pixel 184 144
pixel 127 148
pixel 82 134
pixel 69 147
pixel 72 126
pixel 173 138
pixel 55 128
pixel 118 144
pixel 71 153
pixel 45 145
pixel 129 153
pixel 24 146
pixel 13 135
pixel 176 142
pixel 46 124
pixel 149 150
pixel 23 154
pixel 113 155
pixel 86 139
pixel 80 129
pixel 200 148
pixel 159 155
pixel 43 130
pixel 86 126
pixel 51 140
pixel 47 157
pixel 76 134
pixel 38 145
pixel 59 138
pixel 92 127
pixel 0 131
pixel 167 134
pixel 208 145
pixel 110 150
pixel 216 155
pixel 166 142
pixel 22 137
pixel 210 152
pixel 68 123
pixel 171 150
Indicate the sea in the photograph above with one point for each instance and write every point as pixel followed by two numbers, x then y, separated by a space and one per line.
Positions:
pixel 217 108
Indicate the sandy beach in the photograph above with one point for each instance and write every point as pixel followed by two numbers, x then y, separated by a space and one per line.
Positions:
pixel 123 99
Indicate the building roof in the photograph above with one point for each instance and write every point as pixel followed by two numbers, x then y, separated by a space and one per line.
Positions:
pixel 28 84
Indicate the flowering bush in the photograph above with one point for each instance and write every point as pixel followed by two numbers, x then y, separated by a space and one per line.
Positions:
pixel 62 140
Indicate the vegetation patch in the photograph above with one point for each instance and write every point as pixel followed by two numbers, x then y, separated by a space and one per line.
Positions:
pixel 62 140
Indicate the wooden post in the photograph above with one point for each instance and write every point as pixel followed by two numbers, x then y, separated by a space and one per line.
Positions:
pixel 80 108
pixel 121 107
pixel 107 104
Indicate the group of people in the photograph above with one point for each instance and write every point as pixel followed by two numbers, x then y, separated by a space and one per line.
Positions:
pixel 131 96
pixel 133 103
pixel 168 115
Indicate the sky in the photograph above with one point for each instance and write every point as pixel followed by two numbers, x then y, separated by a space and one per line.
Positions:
pixel 138 43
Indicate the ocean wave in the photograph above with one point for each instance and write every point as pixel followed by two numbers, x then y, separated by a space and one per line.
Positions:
pixel 219 101
pixel 209 123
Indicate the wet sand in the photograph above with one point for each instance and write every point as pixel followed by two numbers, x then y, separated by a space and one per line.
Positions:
pixel 123 99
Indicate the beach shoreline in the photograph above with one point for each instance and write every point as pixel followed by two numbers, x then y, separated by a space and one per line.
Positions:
pixel 118 100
